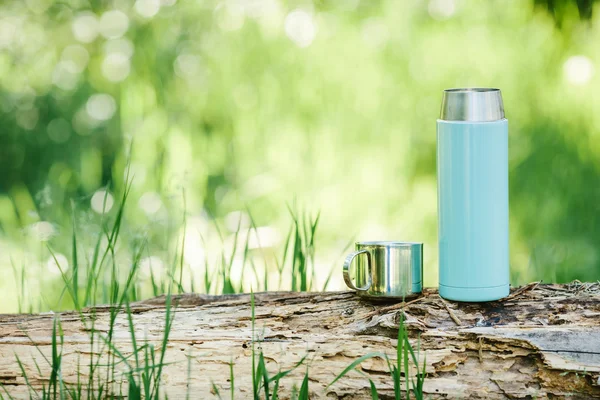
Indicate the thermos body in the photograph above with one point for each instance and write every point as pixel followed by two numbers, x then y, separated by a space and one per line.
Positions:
pixel 472 166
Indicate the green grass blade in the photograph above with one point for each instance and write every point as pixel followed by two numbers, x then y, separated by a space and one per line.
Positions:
pixel 168 324
pixel 147 373
pixel 22 368
pixel 254 270
pixel 216 390
pixel 395 376
pixel 303 395
pixel 281 265
pixel 354 364
pixel 123 359
pixel 374 394
pixel 68 284
pixel 152 367
pixel 264 374
pixel 189 376
pixel 297 258
pixel 294 395
pixel 56 358
pixel 131 275
pixel 18 282
pixel 334 266
pixel 207 277
pixel 406 376
pixel 244 259
pixel 421 380
pixel 227 285
pixel 282 374
pixel 311 249
pixel 275 390
pixel 155 288
pixel 91 278
pixel 134 391
pixel 37 366
pixel 400 350
pixel 132 332
pixel 214 220
pixel 181 256
pixel 75 262
pixel 232 379
pixel 265 280
pixel 7 394
pixel 254 372
pixel 313 229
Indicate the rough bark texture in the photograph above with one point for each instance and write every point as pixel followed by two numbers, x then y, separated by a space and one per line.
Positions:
pixel 541 342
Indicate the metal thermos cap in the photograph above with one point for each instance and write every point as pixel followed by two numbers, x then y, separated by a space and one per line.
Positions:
pixel 472 104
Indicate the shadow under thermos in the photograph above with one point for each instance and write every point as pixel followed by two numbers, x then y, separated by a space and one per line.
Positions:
pixel 472 167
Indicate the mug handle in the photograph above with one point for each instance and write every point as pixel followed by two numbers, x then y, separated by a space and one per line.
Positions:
pixel 348 263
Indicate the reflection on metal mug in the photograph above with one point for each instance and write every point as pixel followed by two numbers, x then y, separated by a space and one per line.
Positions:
pixel 385 269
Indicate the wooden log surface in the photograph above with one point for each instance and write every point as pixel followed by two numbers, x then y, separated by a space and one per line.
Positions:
pixel 543 341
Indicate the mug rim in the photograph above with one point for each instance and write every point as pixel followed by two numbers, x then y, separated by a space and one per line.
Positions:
pixel 388 243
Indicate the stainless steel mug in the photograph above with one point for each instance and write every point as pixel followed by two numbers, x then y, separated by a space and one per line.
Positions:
pixel 385 269
pixel 472 164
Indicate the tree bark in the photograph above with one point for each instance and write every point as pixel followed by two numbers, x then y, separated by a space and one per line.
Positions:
pixel 543 341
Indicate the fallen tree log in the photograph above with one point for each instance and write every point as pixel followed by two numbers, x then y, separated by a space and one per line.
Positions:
pixel 543 341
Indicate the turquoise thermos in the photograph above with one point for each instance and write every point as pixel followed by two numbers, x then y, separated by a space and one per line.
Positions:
pixel 472 167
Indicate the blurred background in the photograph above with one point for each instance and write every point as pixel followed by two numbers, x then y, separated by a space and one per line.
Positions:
pixel 230 120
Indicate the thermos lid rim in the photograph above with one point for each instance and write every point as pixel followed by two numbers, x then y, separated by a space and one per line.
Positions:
pixel 472 105
pixel 388 243
pixel 474 89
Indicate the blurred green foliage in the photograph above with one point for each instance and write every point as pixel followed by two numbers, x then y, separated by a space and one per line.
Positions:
pixel 560 9
pixel 251 104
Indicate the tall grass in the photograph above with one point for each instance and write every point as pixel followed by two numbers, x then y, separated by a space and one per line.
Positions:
pixel 100 276
pixel 137 373
pixel 405 354
pixel 263 385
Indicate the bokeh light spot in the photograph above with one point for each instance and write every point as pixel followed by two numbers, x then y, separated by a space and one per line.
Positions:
pixel 101 106
pixel 236 219
pixel 102 201
pixel 578 70
pixel 346 5
pixel 245 96
pixel 375 33
pixel 116 67
pixel 137 174
pixel 441 9
pixel 83 123
pixel 39 6
pixel 26 99
pixel 64 75
pixel 8 31
pixel 28 118
pixel 229 16
pixel 151 266
pixel 263 237
pixel 75 58
pixel 59 130
pixel 300 27
pixel 113 24
pixel 85 27
pixel 121 46
pixel 42 230
pixel 150 202
pixel 147 8
pixel 57 263
pixel 187 66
